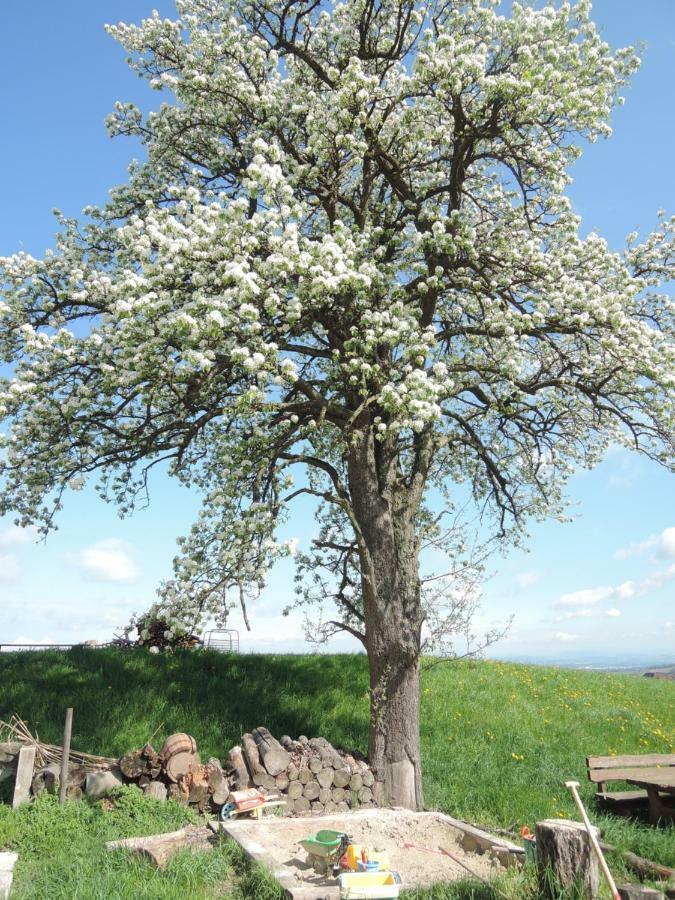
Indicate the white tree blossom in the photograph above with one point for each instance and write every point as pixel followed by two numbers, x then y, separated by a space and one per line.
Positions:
pixel 348 259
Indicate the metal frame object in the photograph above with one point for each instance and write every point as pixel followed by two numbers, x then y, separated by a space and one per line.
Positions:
pixel 224 640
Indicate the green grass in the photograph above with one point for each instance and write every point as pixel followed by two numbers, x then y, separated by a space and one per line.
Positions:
pixel 498 741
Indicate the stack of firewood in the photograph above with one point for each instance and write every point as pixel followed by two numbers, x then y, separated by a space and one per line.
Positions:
pixel 310 773
pixel 177 771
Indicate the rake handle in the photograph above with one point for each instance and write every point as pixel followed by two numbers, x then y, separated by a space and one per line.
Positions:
pixel 572 786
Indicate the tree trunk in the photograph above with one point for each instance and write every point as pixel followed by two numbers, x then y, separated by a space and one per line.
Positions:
pixel 385 511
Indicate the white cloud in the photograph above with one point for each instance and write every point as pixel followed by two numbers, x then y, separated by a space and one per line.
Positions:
pixel 9 568
pixel 577 614
pixel 526 579
pixel 663 543
pixel 586 597
pixel 13 536
pixel 667 543
pixel 625 591
pixel 565 636
pixel 613 613
pixel 109 560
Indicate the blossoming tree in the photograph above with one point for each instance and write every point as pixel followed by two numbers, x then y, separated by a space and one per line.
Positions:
pixel 348 254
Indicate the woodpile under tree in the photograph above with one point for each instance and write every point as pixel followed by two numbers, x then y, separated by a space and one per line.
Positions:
pixel 309 774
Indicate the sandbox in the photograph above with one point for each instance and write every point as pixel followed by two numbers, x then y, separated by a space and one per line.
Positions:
pixel 273 843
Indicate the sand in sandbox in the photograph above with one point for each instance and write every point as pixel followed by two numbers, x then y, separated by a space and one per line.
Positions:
pixel 380 830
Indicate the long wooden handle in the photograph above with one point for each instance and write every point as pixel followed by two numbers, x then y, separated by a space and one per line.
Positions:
pixel 572 785
pixel 65 758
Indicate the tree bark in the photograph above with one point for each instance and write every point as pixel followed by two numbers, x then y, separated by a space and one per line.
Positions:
pixel 384 513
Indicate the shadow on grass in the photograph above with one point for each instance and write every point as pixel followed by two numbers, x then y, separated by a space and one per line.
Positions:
pixel 120 697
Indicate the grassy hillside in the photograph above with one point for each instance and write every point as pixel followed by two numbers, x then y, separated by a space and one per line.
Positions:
pixel 498 739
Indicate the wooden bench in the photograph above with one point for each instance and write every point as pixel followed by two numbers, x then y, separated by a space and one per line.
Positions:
pixel 602 769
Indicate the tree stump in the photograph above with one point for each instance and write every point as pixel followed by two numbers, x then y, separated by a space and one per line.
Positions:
pixel 565 857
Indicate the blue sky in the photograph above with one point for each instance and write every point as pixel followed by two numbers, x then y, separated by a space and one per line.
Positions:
pixel 598 589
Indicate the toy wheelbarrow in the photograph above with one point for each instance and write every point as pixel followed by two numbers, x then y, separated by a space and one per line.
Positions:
pixel 325 849
pixel 250 802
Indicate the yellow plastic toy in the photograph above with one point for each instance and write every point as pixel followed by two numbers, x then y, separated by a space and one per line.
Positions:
pixel 368 886
pixel 353 857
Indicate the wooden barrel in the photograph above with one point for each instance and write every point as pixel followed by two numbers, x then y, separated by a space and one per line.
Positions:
pixel 178 743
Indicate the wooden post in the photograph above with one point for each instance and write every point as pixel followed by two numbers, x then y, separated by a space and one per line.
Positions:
pixel 565 857
pixel 24 775
pixel 67 732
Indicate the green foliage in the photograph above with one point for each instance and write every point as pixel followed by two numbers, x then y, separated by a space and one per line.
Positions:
pixel 498 741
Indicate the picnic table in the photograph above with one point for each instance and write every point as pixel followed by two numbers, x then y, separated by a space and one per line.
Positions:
pixel 656 781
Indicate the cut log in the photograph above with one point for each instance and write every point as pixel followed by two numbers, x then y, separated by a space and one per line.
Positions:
pixel 134 764
pixel 77 774
pixel 368 779
pixel 214 773
pixel 198 793
pixel 292 772
pixel 161 847
pixel 287 742
pixel 365 795
pixel 317 806
pixel 356 782
pixel 100 784
pixel 338 794
pixel 177 743
pixel 311 790
pixel 264 780
pixel 252 756
pixel 304 775
pixel 46 779
pixel 301 805
pixel 181 763
pixel 343 806
pixel 341 777
pixel 565 859
pixel 325 795
pixel 273 756
pixel 325 777
pixel 282 781
pixel 639 892
pixel 24 775
pixel 330 807
pixel 295 789
pixel 156 790
pixel 315 765
pixel 242 779
pixel 174 792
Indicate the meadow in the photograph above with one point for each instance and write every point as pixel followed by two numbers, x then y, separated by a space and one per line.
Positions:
pixel 498 741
